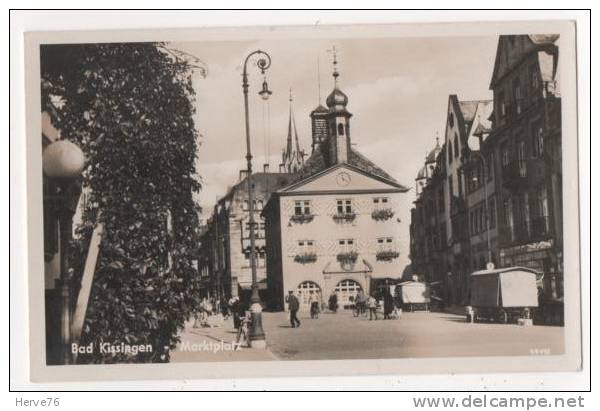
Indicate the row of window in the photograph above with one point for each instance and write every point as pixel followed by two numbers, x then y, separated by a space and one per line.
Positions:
pixel 477 217
pixel 261 261
pixel 258 226
pixel 518 93
pixel 475 176
pixel 344 206
pixel 345 244
pixel 258 205
pixel 527 216
pixel 535 148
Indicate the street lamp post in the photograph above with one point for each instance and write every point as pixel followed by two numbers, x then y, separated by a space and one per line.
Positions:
pixel 64 161
pixel 256 335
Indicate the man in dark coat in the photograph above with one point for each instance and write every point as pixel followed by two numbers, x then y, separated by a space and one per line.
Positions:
pixel 388 304
pixel 235 312
pixel 293 306
pixel 333 304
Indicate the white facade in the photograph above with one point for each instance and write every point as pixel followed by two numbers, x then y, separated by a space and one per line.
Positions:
pixel 350 212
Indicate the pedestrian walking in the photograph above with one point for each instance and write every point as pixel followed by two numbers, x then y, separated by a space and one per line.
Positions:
pixel 333 302
pixel 388 304
pixel 293 306
pixel 224 308
pixel 360 305
pixel 372 304
pixel 313 301
pixel 235 312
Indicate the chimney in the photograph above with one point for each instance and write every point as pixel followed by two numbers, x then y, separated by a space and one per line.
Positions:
pixel 266 168
pixel 243 174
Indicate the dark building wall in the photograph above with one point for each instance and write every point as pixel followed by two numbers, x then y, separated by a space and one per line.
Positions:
pixel 274 257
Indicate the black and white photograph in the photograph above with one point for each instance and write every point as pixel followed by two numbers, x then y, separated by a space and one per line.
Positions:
pixel 302 198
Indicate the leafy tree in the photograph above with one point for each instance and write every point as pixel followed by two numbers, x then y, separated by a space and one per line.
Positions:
pixel 129 106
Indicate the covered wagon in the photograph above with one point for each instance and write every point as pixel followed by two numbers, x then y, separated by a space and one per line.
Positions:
pixel 503 294
pixel 415 295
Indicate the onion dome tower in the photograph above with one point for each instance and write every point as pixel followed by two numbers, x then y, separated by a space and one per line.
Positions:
pixel 338 120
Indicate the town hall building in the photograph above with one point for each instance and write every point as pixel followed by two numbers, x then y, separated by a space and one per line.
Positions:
pixel 335 228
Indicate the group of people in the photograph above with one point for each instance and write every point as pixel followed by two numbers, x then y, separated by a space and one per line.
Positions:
pixel 362 303
pixel 214 306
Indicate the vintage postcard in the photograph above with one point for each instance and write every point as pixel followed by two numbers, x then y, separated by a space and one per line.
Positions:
pixel 299 201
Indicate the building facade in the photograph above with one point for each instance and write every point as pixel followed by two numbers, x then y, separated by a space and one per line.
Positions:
pixel 480 191
pixel 461 117
pixel 428 230
pixel 499 172
pixel 335 228
pixel 525 140
pixel 224 261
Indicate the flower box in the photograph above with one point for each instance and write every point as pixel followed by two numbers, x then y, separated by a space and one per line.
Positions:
pixel 305 258
pixel 346 217
pixel 387 255
pixel 382 214
pixel 302 218
pixel 347 258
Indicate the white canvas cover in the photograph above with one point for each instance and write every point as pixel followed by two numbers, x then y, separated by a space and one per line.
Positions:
pixel 416 293
pixel 519 289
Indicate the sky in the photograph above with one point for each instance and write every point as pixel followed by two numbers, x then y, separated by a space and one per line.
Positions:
pixel 397 88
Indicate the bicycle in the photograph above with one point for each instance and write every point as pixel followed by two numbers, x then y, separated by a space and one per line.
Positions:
pixel 359 309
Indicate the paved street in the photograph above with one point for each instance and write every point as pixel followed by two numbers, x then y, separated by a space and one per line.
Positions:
pixel 420 334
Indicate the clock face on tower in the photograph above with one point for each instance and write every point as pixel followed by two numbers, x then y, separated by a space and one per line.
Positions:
pixel 343 179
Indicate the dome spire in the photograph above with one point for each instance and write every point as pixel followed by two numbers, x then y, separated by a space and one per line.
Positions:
pixel 337 100
pixel 336 74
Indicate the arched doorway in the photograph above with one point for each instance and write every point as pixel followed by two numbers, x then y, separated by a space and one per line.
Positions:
pixel 304 289
pixel 346 289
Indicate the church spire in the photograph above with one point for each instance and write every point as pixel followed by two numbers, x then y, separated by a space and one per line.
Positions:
pixel 293 157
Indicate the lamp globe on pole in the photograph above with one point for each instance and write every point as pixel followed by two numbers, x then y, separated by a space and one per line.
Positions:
pixel 63 161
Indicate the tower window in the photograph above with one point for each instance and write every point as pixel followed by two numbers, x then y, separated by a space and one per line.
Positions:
pixel 340 129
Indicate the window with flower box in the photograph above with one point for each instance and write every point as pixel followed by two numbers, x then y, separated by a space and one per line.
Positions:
pixel 382 211
pixel 345 211
pixel 385 249
pixel 306 252
pixel 302 212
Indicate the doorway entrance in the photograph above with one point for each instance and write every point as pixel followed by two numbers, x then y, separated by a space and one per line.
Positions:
pixel 346 291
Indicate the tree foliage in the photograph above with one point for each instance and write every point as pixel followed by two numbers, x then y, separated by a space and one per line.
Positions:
pixel 129 106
